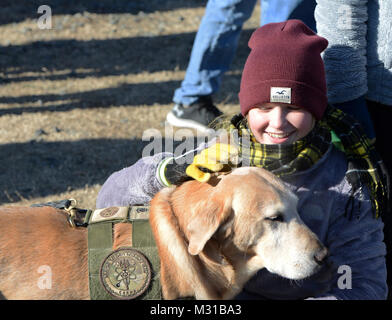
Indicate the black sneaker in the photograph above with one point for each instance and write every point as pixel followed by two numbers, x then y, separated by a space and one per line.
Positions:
pixel 197 116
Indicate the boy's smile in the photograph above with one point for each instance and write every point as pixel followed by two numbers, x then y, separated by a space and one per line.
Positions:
pixel 279 123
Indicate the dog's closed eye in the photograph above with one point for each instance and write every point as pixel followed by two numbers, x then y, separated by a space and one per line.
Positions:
pixel 278 217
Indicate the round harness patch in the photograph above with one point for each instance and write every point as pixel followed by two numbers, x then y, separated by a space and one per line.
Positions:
pixel 125 273
pixel 108 212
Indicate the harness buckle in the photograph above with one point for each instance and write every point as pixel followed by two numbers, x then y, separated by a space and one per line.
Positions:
pixel 71 210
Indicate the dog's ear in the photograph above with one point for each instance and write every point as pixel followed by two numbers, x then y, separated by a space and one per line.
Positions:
pixel 205 222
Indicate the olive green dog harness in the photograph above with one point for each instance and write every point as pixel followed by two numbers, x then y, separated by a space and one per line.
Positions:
pixel 124 273
pixel 128 272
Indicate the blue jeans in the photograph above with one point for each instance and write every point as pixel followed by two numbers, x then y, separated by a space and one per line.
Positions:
pixel 217 39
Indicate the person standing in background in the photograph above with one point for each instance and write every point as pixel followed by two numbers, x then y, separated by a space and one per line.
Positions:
pixel 358 64
pixel 214 49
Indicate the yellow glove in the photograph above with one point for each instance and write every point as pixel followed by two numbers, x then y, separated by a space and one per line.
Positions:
pixel 215 158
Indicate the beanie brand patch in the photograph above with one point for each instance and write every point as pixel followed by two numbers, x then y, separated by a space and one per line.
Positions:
pixel 280 94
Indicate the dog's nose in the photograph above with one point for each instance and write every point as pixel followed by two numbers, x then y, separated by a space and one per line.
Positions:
pixel 320 255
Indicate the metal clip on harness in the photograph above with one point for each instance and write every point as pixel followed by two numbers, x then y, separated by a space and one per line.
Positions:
pixel 71 209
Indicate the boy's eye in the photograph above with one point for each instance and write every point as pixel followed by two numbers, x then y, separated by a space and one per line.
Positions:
pixel 265 108
pixel 293 108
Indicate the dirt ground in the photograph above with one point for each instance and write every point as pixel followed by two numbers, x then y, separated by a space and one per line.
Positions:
pixel 75 100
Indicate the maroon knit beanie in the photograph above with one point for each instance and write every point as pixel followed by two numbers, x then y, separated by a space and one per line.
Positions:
pixel 285 66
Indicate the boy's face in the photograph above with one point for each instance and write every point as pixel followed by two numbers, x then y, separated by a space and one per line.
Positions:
pixel 279 123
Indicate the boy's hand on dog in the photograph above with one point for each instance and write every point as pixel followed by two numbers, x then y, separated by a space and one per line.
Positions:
pixel 217 158
pixel 220 157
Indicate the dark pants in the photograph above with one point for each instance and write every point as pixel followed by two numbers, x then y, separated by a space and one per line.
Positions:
pixel 382 116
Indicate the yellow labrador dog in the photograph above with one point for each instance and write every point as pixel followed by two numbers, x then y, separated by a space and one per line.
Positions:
pixel 211 238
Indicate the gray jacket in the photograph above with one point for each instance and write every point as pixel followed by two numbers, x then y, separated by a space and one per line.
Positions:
pixel 358 60
pixel 356 245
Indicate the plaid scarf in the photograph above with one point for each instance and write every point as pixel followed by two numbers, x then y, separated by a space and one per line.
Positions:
pixel 365 167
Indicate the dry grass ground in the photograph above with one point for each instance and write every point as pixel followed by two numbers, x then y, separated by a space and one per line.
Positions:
pixel 75 100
